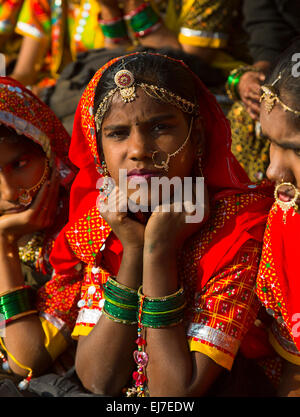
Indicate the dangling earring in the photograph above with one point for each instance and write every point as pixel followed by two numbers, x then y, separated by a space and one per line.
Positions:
pixel 102 170
pixel 26 195
pixel 105 184
pixel 286 205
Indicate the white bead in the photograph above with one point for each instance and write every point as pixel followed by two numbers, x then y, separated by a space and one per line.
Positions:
pixel 101 303
pixel 5 366
pixel 81 303
pixel 23 385
pixel 95 270
pixel 91 290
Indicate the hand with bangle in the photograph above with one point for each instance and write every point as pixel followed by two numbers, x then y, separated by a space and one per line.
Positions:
pixel 244 84
pixel 133 20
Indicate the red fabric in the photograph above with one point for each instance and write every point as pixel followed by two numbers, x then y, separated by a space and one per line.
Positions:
pixel 285 252
pixel 24 107
pixel 21 110
pixel 223 176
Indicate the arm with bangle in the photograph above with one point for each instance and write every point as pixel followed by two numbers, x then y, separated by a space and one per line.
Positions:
pixel 113 336
pixel 138 19
pixel 166 341
pixel 244 83
pixel 24 335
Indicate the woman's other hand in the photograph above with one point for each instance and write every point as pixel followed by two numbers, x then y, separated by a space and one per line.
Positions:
pixel 38 216
pixel 167 231
pixel 249 91
pixel 115 212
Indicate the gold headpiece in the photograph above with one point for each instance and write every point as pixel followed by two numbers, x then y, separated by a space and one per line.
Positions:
pixel 126 86
pixel 271 98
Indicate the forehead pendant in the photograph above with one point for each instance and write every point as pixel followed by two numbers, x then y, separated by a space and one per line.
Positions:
pixel 269 97
pixel 124 80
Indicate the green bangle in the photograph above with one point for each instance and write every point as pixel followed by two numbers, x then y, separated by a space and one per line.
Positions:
pixel 115 29
pixel 162 311
pixel 119 314
pixel 16 302
pixel 119 292
pixel 143 21
pixel 121 302
pixel 234 79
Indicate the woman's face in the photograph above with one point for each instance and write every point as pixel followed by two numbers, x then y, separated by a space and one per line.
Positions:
pixel 22 165
pixel 131 132
pixel 284 146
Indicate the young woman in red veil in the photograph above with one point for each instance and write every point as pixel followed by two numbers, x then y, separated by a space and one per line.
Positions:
pixel 278 277
pixel 35 178
pixel 165 304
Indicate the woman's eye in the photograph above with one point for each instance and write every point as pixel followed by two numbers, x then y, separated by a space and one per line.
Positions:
pixel 20 164
pixel 117 134
pixel 297 152
pixel 161 128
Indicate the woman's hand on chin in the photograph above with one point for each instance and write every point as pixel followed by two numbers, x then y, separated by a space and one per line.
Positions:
pixel 115 212
pixel 38 216
pixel 166 231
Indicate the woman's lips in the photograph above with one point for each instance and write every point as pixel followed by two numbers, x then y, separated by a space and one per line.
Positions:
pixel 284 197
pixel 143 173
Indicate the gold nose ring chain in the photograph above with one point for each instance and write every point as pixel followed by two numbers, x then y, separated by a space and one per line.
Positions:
pixel 165 164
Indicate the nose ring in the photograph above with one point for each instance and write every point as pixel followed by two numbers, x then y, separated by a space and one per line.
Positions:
pixel 286 205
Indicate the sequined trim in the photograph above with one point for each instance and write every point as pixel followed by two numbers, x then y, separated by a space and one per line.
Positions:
pixel 22 127
pixel 58 323
pixel 203 34
pixel 213 336
pixel 285 343
pixel 25 28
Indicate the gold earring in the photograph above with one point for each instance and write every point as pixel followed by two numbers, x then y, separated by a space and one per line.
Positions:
pixel 286 205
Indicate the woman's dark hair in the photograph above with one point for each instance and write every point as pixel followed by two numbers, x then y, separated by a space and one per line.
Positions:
pixel 150 69
pixel 288 86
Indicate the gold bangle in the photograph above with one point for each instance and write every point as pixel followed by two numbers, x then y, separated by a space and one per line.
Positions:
pixel 113 281
pixel 167 297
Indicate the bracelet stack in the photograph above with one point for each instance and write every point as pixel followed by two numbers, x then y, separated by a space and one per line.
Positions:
pixel 234 79
pixel 129 306
pixel 156 313
pixel 121 302
pixel 164 311
pixel 115 29
pixel 17 303
pixel 14 304
pixel 143 20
